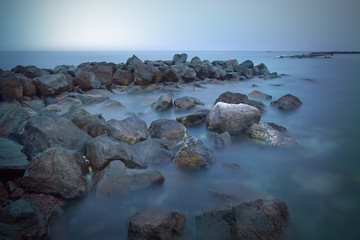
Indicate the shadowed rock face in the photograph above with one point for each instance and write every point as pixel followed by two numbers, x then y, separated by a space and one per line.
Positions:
pixel 233 118
pixel 162 225
pixel 56 171
pixel 13 161
pixel 255 220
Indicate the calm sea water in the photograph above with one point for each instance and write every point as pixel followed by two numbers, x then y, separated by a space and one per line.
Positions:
pixel 319 179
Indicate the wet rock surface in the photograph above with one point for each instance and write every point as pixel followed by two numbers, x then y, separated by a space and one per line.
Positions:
pixel 164 102
pixel 193 154
pixel 186 103
pixel 156 224
pixel 171 132
pixel 287 102
pixel 233 118
pixel 259 219
pixel 194 119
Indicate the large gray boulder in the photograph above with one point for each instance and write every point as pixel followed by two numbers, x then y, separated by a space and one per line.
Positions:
pixel 255 220
pixel 131 130
pixel 188 74
pixel 287 102
pixel 117 179
pixel 12 119
pixel 103 149
pixel 180 58
pixel 186 103
pixel 164 102
pixel 265 134
pixel 122 77
pixel 31 71
pixel 171 132
pixel 132 62
pixel 10 87
pixel 236 98
pixel 145 74
pixel 233 118
pixel 171 74
pixel 86 80
pixel 156 224
pixel 13 162
pixel 51 84
pixel 56 171
pixel 47 129
pixel 94 125
pixel 193 154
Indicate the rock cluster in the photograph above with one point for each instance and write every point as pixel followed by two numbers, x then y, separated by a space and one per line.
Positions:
pixel 52 149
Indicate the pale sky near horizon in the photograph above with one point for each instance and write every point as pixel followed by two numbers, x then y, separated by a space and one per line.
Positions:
pixel 180 25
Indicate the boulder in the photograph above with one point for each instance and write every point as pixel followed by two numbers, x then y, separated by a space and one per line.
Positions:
pixel 219 73
pixel 61 104
pixel 188 74
pixel 86 80
pixel 132 62
pixel 267 135
pixel 222 140
pixel 94 125
pixel 145 74
pixel 194 119
pixel 193 154
pixel 47 129
pixel 233 118
pixel 32 71
pixel 231 64
pixel 244 71
pixel 156 224
pixel 13 162
pixel 236 98
pixel 247 63
pixel 258 219
pixel 28 85
pixel 287 102
pixel 51 84
pixel 259 95
pixel 103 149
pixel 117 179
pixel 56 171
pixel 171 74
pixel 180 58
pixel 123 77
pixel 186 103
pixel 261 70
pixel 70 69
pixel 10 87
pixel 12 119
pixel 103 72
pixel 171 132
pixel 131 130
pixel 164 102
pixel 277 127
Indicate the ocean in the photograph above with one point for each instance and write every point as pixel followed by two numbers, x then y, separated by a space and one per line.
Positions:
pixel 319 179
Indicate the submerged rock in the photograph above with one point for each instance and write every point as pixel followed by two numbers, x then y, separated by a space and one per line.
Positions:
pixel 171 132
pixel 233 118
pixel 222 140
pixel 259 95
pixel 116 179
pixel 287 102
pixel 255 220
pixel 194 119
pixel 164 102
pixel 56 171
pixel 236 98
pixel 193 154
pixel 267 135
pixel 156 224
pixel 186 103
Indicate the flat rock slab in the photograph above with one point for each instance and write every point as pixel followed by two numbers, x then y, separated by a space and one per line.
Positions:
pixel 13 161
pixel 116 179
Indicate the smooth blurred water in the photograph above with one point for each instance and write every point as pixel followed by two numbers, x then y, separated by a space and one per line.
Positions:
pixel 319 179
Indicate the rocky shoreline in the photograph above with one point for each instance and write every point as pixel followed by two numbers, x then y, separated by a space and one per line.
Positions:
pixel 53 150
pixel 328 54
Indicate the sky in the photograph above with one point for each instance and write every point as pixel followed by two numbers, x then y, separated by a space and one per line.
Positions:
pixel 193 25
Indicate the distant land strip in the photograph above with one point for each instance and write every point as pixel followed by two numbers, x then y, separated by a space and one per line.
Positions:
pixel 319 54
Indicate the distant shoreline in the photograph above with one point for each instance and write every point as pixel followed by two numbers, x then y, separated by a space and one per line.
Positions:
pixel 326 54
